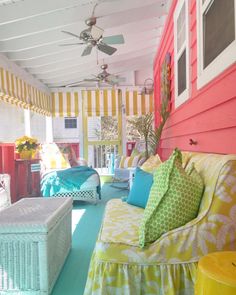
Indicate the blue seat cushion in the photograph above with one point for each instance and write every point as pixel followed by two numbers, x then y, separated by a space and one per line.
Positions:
pixel 139 193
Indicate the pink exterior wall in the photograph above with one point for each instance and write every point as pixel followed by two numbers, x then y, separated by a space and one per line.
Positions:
pixel 209 115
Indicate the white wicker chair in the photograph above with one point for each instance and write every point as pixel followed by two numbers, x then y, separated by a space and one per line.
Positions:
pixel 5 196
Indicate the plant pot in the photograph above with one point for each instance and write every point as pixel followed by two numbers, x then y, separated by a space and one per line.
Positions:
pixel 27 155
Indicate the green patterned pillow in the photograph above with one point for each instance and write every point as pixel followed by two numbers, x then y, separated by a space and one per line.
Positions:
pixel 174 199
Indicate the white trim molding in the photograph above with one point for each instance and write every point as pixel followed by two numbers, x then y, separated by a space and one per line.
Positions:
pixel 181 98
pixel 226 58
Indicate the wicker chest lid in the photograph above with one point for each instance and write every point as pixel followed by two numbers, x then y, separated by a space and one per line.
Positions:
pixel 33 215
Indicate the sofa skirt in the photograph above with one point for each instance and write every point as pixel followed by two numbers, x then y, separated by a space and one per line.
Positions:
pixel 112 278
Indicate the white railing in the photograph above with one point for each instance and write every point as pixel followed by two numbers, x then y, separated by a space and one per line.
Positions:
pixel 102 156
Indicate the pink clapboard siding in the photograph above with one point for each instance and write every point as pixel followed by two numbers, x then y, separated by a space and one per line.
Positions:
pixel 209 115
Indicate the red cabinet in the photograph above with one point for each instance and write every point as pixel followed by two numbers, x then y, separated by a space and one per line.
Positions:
pixel 27 174
pixel 24 181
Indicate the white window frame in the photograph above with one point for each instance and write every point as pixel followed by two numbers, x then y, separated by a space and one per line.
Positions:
pixel 179 99
pixel 226 58
pixel 70 118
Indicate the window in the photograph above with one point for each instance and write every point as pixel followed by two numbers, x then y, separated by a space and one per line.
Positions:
pixel 70 123
pixel 216 38
pixel 181 48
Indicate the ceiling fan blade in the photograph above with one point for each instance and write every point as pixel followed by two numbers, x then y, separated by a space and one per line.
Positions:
pixel 87 50
pixel 116 39
pixel 106 48
pixel 96 32
pixel 71 34
pixel 116 79
pixel 121 79
pixel 91 80
pixel 69 44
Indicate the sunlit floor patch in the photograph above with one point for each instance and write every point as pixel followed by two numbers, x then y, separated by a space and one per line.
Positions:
pixel 76 216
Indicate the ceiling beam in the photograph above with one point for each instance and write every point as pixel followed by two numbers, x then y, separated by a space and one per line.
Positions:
pixel 132 64
pixel 62 66
pixel 76 53
pixel 55 48
pixel 56 36
pixel 62 18
pixel 23 10
pixel 91 66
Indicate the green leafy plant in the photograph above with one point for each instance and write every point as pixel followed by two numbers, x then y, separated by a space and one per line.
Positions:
pixel 26 143
pixel 155 134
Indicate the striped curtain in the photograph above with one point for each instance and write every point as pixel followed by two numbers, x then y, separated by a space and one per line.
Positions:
pixel 101 102
pixel 13 89
pixel 138 104
pixel 65 104
pixel 16 91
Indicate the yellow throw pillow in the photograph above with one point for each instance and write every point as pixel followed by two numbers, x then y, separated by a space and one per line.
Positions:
pixel 151 164
pixel 52 157
pixel 127 162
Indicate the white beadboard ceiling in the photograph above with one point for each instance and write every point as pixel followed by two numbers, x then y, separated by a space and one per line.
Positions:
pixel 30 34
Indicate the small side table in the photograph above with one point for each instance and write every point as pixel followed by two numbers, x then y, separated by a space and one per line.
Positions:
pixel 216 274
pixel 27 178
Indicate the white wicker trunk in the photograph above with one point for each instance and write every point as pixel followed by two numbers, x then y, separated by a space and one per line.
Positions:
pixel 35 239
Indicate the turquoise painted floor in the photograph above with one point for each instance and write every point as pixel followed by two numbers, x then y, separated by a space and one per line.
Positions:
pixel 86 222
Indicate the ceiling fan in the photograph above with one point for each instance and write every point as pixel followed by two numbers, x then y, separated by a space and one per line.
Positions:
pixel 102 78
pixel 148 87
pixel 93 37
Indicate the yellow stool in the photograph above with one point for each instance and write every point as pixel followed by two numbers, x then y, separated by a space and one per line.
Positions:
pixel 216 274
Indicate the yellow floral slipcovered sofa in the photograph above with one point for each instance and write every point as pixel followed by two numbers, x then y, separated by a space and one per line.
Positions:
pixel 168 266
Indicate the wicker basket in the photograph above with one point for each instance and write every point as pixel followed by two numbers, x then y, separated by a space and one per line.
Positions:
pixel 35 239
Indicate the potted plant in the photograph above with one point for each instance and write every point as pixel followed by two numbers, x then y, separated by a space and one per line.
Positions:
pixel 26 146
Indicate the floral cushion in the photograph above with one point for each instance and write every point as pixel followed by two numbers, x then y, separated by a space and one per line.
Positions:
pixel 174 199
pixel 151 164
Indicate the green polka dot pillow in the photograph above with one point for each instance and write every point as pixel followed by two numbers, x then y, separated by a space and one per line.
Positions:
pixel 174 199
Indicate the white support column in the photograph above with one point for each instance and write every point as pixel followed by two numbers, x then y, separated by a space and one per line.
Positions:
pixel 49 129
pixel 27 122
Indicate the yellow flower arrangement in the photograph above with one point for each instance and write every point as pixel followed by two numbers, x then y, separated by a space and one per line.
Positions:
pixel 26 143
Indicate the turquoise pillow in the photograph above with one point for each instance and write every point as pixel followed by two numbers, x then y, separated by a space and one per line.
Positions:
pixel 139 192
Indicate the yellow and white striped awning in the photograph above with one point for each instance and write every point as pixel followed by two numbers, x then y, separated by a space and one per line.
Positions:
pixel 16 91
pixel 65 104
pixel 40 102
pixel 138 104
pixel 101 102
pixel 13 89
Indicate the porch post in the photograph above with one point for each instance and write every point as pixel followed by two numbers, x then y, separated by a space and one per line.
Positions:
pixel 27 123
pixel 49 129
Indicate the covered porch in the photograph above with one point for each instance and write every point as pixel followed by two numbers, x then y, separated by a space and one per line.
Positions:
pixel 75 74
